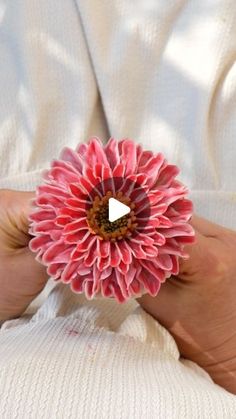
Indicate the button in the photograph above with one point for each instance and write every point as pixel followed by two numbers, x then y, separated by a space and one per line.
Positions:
pixel 116 210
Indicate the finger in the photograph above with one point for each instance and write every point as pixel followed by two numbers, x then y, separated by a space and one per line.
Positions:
pixel 22 209
pixel 170 295
pixel 206 227
pixel 161 299
pixel 39 271
pixel 25 200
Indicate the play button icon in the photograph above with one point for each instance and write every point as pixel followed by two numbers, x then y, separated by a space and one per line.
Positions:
pixel 116 210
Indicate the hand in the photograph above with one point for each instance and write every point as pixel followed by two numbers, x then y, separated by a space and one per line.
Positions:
pixel 198 307
pixel 21 277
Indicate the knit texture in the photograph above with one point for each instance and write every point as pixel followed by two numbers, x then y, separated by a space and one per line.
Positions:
pixel 162 73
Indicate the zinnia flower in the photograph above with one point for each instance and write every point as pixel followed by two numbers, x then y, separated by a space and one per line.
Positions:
pixel 80 246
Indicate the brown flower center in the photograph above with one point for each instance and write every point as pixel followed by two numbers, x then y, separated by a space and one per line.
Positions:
pixel 98 218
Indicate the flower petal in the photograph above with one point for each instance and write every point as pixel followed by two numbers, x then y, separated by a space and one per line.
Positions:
pixel 119 170
pixel 88 290
pixel 150 251
pixel 141 238
pixel 69 155
pixel 95 153
pixel 129 277
pixel 164 262
pixel 103 248
pixel 70 271
pixel 55 269
pixel 52 190
pixel 112 152
pixel 116 293
pixel 77 253
pixel 127 187
pixel 55 234
pixel 81 149
pixel 106 291
pixel 62 221
pixel 57 252
pixel 166 175
pixel 121 281
pixel 164 221
pixel 153 269
pixel 91 256
pixel 77 284
pixel 175 265
pixel 39 242
pixel 129 156
pixel 137 250
pixel 125 251
pixel 135 287
pixel 174 194
pixel 152 168
pixel 180 210
pixel 144 157
pixel 76 238
pixel 138 195
pixel 76 225
pixel 62 175
pixel 178 230
pixel 76 203
pixel 159 238
pixel 42 214
pixel 49 201
pixel 155 197
pixel 86 244
pixel 106 273
pixel 72 212
pixel 77 190
pixel 89 173
pixel 159 209
pixel 171 247
pixel 84 270
pixel 123 268
pixel 151 284
pixel 44 227
pixel 103 263
pixel 115 255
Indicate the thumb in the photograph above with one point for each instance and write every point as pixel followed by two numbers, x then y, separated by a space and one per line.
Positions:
pixel 24 201
pixel 22 208
pixel 15 207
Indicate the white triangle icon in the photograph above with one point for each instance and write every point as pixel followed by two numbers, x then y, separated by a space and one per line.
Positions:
pixel 116 210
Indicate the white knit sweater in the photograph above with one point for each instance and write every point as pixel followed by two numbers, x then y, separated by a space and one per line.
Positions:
pixel 164 74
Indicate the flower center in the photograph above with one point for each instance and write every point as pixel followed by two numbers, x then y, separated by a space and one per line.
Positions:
pixel 98 218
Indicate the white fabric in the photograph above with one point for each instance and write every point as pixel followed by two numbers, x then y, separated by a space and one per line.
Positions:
pixel 160 72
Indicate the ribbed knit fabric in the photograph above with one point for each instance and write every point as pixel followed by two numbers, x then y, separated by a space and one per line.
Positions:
pixel 162 73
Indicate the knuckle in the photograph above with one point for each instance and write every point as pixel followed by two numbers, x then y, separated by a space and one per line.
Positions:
pixel 7 196
pixel 3 196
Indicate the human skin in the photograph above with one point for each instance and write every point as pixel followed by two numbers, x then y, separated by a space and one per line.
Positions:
pixel 197 307
pixel 17 264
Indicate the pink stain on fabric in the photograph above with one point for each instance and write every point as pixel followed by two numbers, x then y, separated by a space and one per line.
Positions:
pixel 125 264
pixel 72 332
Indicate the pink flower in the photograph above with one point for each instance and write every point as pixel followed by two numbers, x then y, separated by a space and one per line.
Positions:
pixel 76 241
